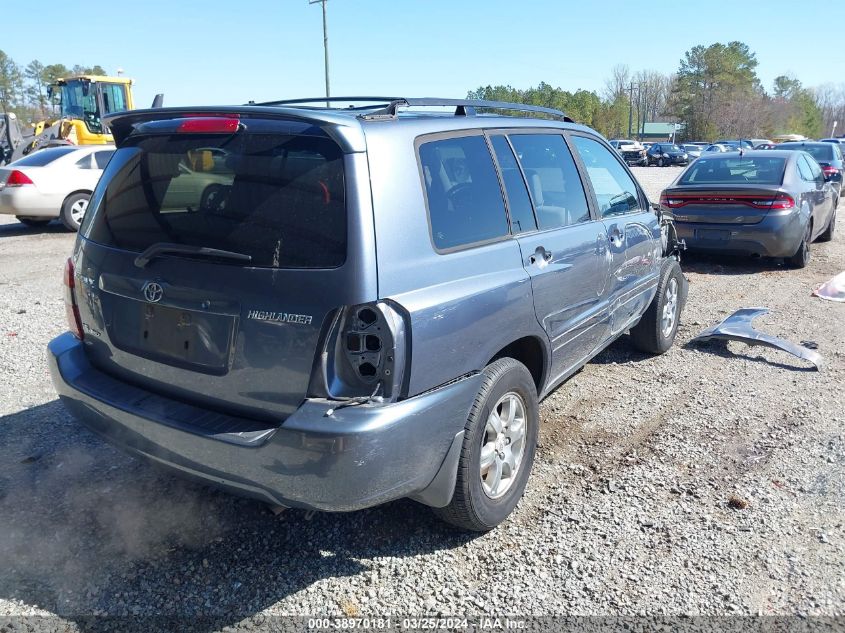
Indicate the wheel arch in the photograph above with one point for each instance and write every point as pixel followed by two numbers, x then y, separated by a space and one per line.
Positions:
pixel 531 352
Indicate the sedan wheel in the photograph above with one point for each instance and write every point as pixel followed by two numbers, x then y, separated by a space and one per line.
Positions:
pixel 660 162
pixel 802 256
pixel 73 210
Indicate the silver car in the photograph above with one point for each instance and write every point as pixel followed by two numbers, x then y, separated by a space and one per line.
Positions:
pixel 355 304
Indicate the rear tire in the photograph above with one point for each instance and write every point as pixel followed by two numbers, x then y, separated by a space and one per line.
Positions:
pixel 481 501
pixel 73 210
pixel 802 256
pixel 660 162
pixel 656 331
pixel 34 221
pixel 831 227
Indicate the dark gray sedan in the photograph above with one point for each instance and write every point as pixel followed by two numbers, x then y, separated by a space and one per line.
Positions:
pixel 772 203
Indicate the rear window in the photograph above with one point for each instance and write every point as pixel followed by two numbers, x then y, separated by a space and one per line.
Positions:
pixel 735 170
pixel 44 156
pixel 277 198
pixel 819 152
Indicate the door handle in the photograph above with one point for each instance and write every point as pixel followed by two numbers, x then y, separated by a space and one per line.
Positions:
pixel 541 256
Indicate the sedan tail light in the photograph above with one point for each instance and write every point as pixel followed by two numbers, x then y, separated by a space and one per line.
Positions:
pixel 18 179
pixel 74 321
pixel 756 201
pixel 829 170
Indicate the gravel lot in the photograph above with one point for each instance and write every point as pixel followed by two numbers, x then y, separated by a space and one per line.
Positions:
pixel 627 510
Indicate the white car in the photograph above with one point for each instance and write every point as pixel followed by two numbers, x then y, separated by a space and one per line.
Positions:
pixel 52 183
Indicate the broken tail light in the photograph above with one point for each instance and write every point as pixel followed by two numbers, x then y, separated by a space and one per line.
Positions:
pixel 74 321
pixel 364 354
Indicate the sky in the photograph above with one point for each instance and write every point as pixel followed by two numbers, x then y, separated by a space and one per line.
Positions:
pixel 215 52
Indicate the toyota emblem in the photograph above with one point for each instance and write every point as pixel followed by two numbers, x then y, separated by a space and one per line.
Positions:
pixel 153 292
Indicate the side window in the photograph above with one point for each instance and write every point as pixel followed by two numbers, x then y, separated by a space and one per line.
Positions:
pixel 522 214
pixel 85 162
pixel 101 159
pixel 615 190
pixel 804 169
pixel 465 202
pixel 815 170
pixel 553 179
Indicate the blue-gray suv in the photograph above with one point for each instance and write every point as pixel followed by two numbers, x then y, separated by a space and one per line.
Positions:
pixel 333 307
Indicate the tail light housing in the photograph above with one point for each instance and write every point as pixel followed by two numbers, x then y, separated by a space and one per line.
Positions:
pixel 829 170
pixel 756 201
pixel 364 354
pixel 74 321
pixel 18 179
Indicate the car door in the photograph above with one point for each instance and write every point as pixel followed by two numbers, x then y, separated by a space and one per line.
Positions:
pixel 563 248
pixel 821 194
pixel 632 232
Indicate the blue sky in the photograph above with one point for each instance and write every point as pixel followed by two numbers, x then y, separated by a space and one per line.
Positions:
pixel 229 52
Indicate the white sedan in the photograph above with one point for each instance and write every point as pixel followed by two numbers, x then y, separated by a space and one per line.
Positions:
pixel 52 183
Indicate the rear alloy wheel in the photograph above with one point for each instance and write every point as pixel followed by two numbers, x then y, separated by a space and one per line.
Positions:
pixel 500 438
pixel 656 331
pixel 73 210
pixel 802 256
pixel 34 221
pixel 831 227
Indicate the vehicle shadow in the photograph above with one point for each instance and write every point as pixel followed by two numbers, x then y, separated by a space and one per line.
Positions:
pixel 747 352
pixel 620 351
pixel 718 264
pixel 86 532
pixel 10 229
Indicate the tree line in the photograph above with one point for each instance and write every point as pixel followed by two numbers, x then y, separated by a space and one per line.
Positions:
pixel 715 93
pixel 23 89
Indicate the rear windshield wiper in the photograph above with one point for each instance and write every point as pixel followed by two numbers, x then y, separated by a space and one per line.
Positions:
pixel 166 248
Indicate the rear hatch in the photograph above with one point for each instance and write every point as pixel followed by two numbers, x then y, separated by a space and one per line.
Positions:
pixel 212 255
pixel 728 190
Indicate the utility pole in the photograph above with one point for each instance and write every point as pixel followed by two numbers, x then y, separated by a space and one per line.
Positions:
pixel 325 46
pixel 631 110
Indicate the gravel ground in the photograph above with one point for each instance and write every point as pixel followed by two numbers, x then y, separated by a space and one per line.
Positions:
pixel 627 512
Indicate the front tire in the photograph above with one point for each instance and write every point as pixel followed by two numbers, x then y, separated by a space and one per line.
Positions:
pixel 655 333
pixel 500 438
pixel 73 210
pixel 660 162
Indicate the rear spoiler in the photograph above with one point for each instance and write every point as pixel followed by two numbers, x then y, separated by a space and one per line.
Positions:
pixel 344 130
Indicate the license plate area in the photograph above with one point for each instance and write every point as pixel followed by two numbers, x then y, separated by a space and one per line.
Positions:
pixel 713 234
pixel 184 338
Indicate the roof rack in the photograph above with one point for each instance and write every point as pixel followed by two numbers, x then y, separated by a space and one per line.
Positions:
pixel 387 107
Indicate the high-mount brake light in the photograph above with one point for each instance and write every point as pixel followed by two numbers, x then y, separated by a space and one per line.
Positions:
pixel 18 179
pixel 74 321
pixel 209 125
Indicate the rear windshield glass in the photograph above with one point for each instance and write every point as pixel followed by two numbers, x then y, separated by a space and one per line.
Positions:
pixel 277 198
pixel 819 152
pixel 735 170
pixel 44 157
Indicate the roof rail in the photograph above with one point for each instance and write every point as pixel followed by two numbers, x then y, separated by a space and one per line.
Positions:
pixel 329 100
pixel 387 107
pixel 464 107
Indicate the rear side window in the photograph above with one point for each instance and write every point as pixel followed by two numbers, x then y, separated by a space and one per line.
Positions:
pixel 465 203
pixel 101 159
pixel 615 190
pixel 735 170
pixel 553 179
pixel 44 156
pixel 277 198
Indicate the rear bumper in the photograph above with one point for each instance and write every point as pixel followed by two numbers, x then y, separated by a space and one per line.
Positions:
pixel 774 236
pixel 28 202
pixel 358 457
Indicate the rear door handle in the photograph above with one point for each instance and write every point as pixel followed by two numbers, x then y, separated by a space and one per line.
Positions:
pixel 541 256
